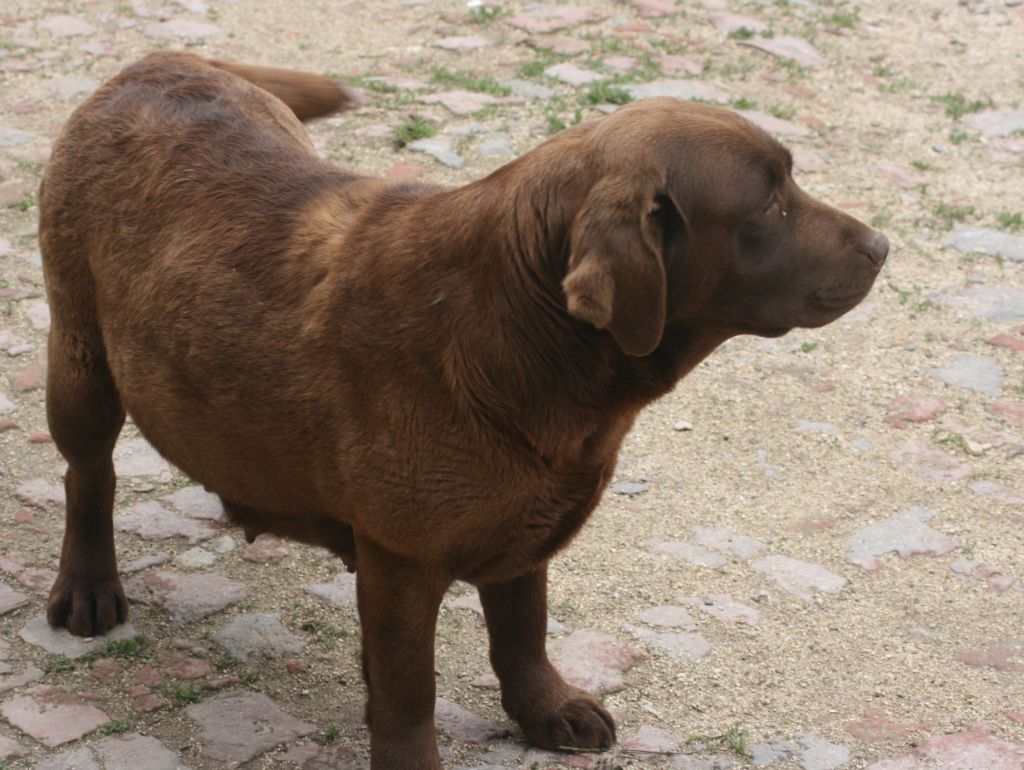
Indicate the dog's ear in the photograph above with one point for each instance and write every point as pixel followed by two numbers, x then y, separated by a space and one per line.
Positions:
pixel 616 278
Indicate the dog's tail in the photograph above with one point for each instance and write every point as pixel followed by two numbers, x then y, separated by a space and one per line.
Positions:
pixel 307 95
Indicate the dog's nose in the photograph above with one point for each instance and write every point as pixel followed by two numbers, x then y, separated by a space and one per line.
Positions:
pixel 876 248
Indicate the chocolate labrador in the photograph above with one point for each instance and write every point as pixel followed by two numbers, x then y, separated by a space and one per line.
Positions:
pixel 432 382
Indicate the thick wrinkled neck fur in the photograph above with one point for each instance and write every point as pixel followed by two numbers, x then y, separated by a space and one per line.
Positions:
pixel 520 361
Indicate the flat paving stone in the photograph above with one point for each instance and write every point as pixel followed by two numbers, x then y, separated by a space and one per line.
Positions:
pixel 573 74
pixel 459 102
pixel 40 493
pixel 994 302
pixel 724 607
pixel 560 44
pixel 984 240
pixel 906 533
pixel 688 553
pixel 973 749
pixel 66 26
pixel 680 88
pixel 767 753
pixel 684 647
pixel 653 9
pixel 312 756
pixel 799 578
pixel 340 591
pixel 59 641
pixel 52 716
pixel 540 19
pixel 787 47
pixel 731 22
pixel 914 408
pixel 996 122
pixel 528 89
pixel 463 725
pixel 820 754
pixel 593 660
pixel 11 599
pixel 188 597
pixel 237 726
pixel 68 87
pixel 667 616
pixel 151 521
pixel 10 137
pixel 722 539
pixel 440 150
pixel 137 752
pixel 11 748
pixel 262 636
pixel 774 125
pixel 137 459
pixel 649 738
pixel 185 29
pixel 28 676
pixel 462 42
pixel 196 503
pixel 977 373
pixel 930 462
pixel 77 759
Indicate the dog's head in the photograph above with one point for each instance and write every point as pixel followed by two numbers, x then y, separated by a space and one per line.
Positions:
pixel 694 217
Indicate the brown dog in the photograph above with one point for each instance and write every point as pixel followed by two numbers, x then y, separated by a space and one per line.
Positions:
pixel 434 383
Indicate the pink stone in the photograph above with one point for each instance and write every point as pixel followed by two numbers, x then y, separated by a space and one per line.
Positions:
pixel 799 578
pixel 774 125
pixel 405 170
pixel 786 47
pixel 181 667
pixel 914 408
pixel 463 725
pixel 667 616
pixel 931 463
pixel 1007 341
pixel 266 549
pixel 971 750
pixel 593 660
pixel 650 9
pixel 899 175
pixel 11 599
pixel 876 726
pixel 52 716
pixel 996 656
pixel 40 494
pixel 460 102
pixel 731 22
pixel 188 597
pixel 672 64
pixel 652 739
pixel 1011 411
pixel 462 42
pixel 235 727
pixel 561 44
pixel 551 18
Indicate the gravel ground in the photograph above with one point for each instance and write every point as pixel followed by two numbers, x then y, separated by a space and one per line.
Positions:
pixel 811 557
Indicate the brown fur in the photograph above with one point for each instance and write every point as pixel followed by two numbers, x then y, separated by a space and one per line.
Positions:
pixel 432 382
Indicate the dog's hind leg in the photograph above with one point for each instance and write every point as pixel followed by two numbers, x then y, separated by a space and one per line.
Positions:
pixel 552 713
pixel 85 415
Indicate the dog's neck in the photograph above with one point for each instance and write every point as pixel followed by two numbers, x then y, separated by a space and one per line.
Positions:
pixel 537 370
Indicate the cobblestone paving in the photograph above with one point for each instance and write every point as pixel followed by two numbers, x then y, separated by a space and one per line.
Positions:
pixel 813 554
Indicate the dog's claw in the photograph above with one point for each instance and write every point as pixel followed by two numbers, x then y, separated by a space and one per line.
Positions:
pixel 87 608
pixel 579 723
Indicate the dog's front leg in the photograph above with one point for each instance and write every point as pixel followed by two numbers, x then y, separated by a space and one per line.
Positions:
pixel 398 604
pixel 552 713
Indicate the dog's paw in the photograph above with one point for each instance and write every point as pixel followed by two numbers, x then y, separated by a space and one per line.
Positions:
pixel 86 607
pixel 579 722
